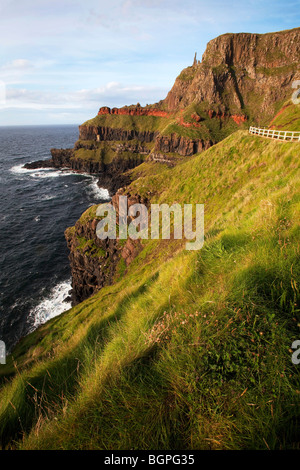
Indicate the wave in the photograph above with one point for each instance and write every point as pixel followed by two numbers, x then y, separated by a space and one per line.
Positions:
pixel 96 192
pixel 93 189
pixel 41 172
pixel 52 305
pixel 19 169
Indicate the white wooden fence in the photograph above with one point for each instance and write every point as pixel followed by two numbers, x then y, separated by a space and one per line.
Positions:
pixel 273 134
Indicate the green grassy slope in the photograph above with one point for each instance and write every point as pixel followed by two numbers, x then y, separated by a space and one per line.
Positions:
pixel 187 350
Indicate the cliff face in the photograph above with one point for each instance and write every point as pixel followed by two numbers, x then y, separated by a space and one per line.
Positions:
pixel 133 111
pixel 181 145
pixel 241 73
pixel 173 143
pixel 94 262
pixel 99 133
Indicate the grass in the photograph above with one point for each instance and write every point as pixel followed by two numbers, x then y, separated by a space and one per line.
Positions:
pixel 126 122
pixel 187 350
pixel 273 71
pixel 85 245
pixel 187 74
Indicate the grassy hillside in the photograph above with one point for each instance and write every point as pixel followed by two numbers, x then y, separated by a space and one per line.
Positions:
pixel 186 350
pixel 288 118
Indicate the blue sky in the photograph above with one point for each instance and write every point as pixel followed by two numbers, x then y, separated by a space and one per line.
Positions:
pixel 60 60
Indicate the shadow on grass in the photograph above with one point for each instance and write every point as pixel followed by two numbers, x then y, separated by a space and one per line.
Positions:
pixel 41 394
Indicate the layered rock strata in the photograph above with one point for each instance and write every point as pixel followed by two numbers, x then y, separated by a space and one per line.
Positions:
pixel 94 262
pixel 241 73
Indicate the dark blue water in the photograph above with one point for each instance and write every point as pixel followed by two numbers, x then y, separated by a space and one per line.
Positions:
pixel 36 207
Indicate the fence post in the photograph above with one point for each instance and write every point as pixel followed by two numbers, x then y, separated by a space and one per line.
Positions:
pixel 275 134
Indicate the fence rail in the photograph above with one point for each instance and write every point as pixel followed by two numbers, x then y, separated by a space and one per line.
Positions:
pixel 277 135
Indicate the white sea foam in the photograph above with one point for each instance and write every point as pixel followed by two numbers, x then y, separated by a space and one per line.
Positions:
pixel 41 172
pixel 97 192
pixel 51 306
pixel 50 173
pixel 93 189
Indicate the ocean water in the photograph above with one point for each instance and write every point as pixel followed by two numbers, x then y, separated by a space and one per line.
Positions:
pixel 36 207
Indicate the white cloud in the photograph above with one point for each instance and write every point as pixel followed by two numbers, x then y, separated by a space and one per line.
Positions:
pixel 15 70
pixel 111 94
pixel 17 64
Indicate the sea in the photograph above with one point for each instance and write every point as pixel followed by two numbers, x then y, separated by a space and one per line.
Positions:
pixel 36 208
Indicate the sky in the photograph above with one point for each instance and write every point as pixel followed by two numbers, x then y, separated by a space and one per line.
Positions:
pixel 61 60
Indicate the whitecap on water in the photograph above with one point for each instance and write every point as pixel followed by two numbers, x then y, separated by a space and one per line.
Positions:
pixel 47 197
pixel 19 169
pixel 51 306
